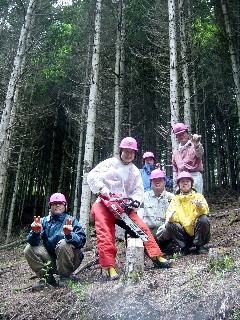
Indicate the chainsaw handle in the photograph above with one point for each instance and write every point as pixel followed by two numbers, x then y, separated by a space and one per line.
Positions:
pixel 132 203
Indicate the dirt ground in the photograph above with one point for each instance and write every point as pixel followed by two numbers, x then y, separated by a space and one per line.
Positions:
pixel 192 289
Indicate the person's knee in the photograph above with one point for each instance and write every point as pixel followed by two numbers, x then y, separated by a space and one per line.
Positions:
pixel 62 245
pixel 27 250
pixel 203 220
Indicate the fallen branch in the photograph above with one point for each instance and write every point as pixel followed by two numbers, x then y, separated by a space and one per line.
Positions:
pixel 12 244
pixel 224 213
pixel 86 266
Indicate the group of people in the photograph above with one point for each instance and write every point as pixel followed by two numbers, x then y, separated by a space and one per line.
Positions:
pixel 55 241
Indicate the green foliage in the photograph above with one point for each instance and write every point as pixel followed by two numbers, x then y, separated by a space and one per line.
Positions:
pixel 135 277
pixel 223 263
pixel 236 315
pixel 46 268
pixel 205 32
pixel 79 289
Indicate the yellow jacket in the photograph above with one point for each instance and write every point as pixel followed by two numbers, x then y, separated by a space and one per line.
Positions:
pixel 183 211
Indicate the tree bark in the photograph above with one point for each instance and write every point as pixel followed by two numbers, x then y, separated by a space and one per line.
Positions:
pixel 91 119
pixel 174 103
pixel 119 75
pixel 11 100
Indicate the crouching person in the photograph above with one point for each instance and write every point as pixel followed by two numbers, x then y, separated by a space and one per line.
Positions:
pixel 155 204
pixel 118 175
pixel 54 244
pixel 186 220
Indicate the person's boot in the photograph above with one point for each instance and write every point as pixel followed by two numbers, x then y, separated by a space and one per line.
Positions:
pixel 185 251
pixel 201 250
pixel 44 282
pixel 113 275
pixel 160 262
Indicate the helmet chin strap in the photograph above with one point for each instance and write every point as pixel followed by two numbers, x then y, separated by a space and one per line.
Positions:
pixel 124 162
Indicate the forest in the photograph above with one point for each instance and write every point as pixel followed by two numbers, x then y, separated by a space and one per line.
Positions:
pixel 78 77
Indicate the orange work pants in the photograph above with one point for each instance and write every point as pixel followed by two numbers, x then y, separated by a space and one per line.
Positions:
pixel 105 230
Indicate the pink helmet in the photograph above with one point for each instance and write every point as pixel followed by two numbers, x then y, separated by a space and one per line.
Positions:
pixel 184 174
pixel 129 143
pixel 57 197
pixel 148 155
pixel 157 174
pixel 180 127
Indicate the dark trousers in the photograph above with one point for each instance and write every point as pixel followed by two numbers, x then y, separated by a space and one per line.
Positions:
pixel 182 238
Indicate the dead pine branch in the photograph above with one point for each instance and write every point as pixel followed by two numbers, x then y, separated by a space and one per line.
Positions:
pixel 12 244
pixel 86 266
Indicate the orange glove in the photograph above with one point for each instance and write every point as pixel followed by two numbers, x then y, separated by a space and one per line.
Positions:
pixel 36 225
pixel 67 228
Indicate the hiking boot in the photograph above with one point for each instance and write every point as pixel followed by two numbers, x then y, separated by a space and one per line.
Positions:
pixel 185 251
pixel 160 262
pixel 45 281
pixel 64 281
pixel 201 250
pixel 113 275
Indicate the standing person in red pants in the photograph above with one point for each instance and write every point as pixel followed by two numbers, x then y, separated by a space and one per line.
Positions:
pixel 118 175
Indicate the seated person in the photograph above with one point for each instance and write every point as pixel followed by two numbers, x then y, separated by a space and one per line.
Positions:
pixel 154 207
pixel 186 219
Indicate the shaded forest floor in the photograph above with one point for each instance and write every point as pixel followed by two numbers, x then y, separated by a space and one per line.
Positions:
pixel 191 289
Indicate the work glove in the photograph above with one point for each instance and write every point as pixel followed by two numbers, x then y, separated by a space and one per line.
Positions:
pixel 67 228
pixel 160 230
pixel 105 192
pixel 169 215
pixel 198 203
pixel 196 139
pixel 36 225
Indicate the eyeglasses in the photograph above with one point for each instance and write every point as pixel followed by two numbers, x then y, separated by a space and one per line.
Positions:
pixel 60 203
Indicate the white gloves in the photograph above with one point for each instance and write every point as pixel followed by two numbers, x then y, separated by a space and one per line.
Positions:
pixel 169 215
pixel 198 203
pixel 105 192
pixel 160 230
pixel 196 139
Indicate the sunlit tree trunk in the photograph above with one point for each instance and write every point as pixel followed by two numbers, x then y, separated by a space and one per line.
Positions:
pixel 174 103
pixel 91 119
pixel 80 142
pixel 184 58
pixel 119 74
pixel 11 100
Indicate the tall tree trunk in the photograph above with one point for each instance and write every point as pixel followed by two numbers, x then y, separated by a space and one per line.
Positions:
pixel 14 195
pixel 174 104
pixel 91 119
pixel 80 143
pixel 50 176
pixel 119 74
pixel 184 57
pixel 11 100
pixel 235 66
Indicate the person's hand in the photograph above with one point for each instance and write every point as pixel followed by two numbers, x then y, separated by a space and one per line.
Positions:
pixel 36 225
pixel 160 230
pixel 169 215
pixel 67 228
pixel 196 139
pixel 198 203
pixel 105 192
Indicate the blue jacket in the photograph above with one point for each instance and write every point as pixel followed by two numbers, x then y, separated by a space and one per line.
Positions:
pixel 145 173
pixel 52 233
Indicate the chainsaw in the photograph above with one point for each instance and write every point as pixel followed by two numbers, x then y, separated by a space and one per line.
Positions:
pixel 121 207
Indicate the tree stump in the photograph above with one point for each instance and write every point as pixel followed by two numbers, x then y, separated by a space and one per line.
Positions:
pixel 134 259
